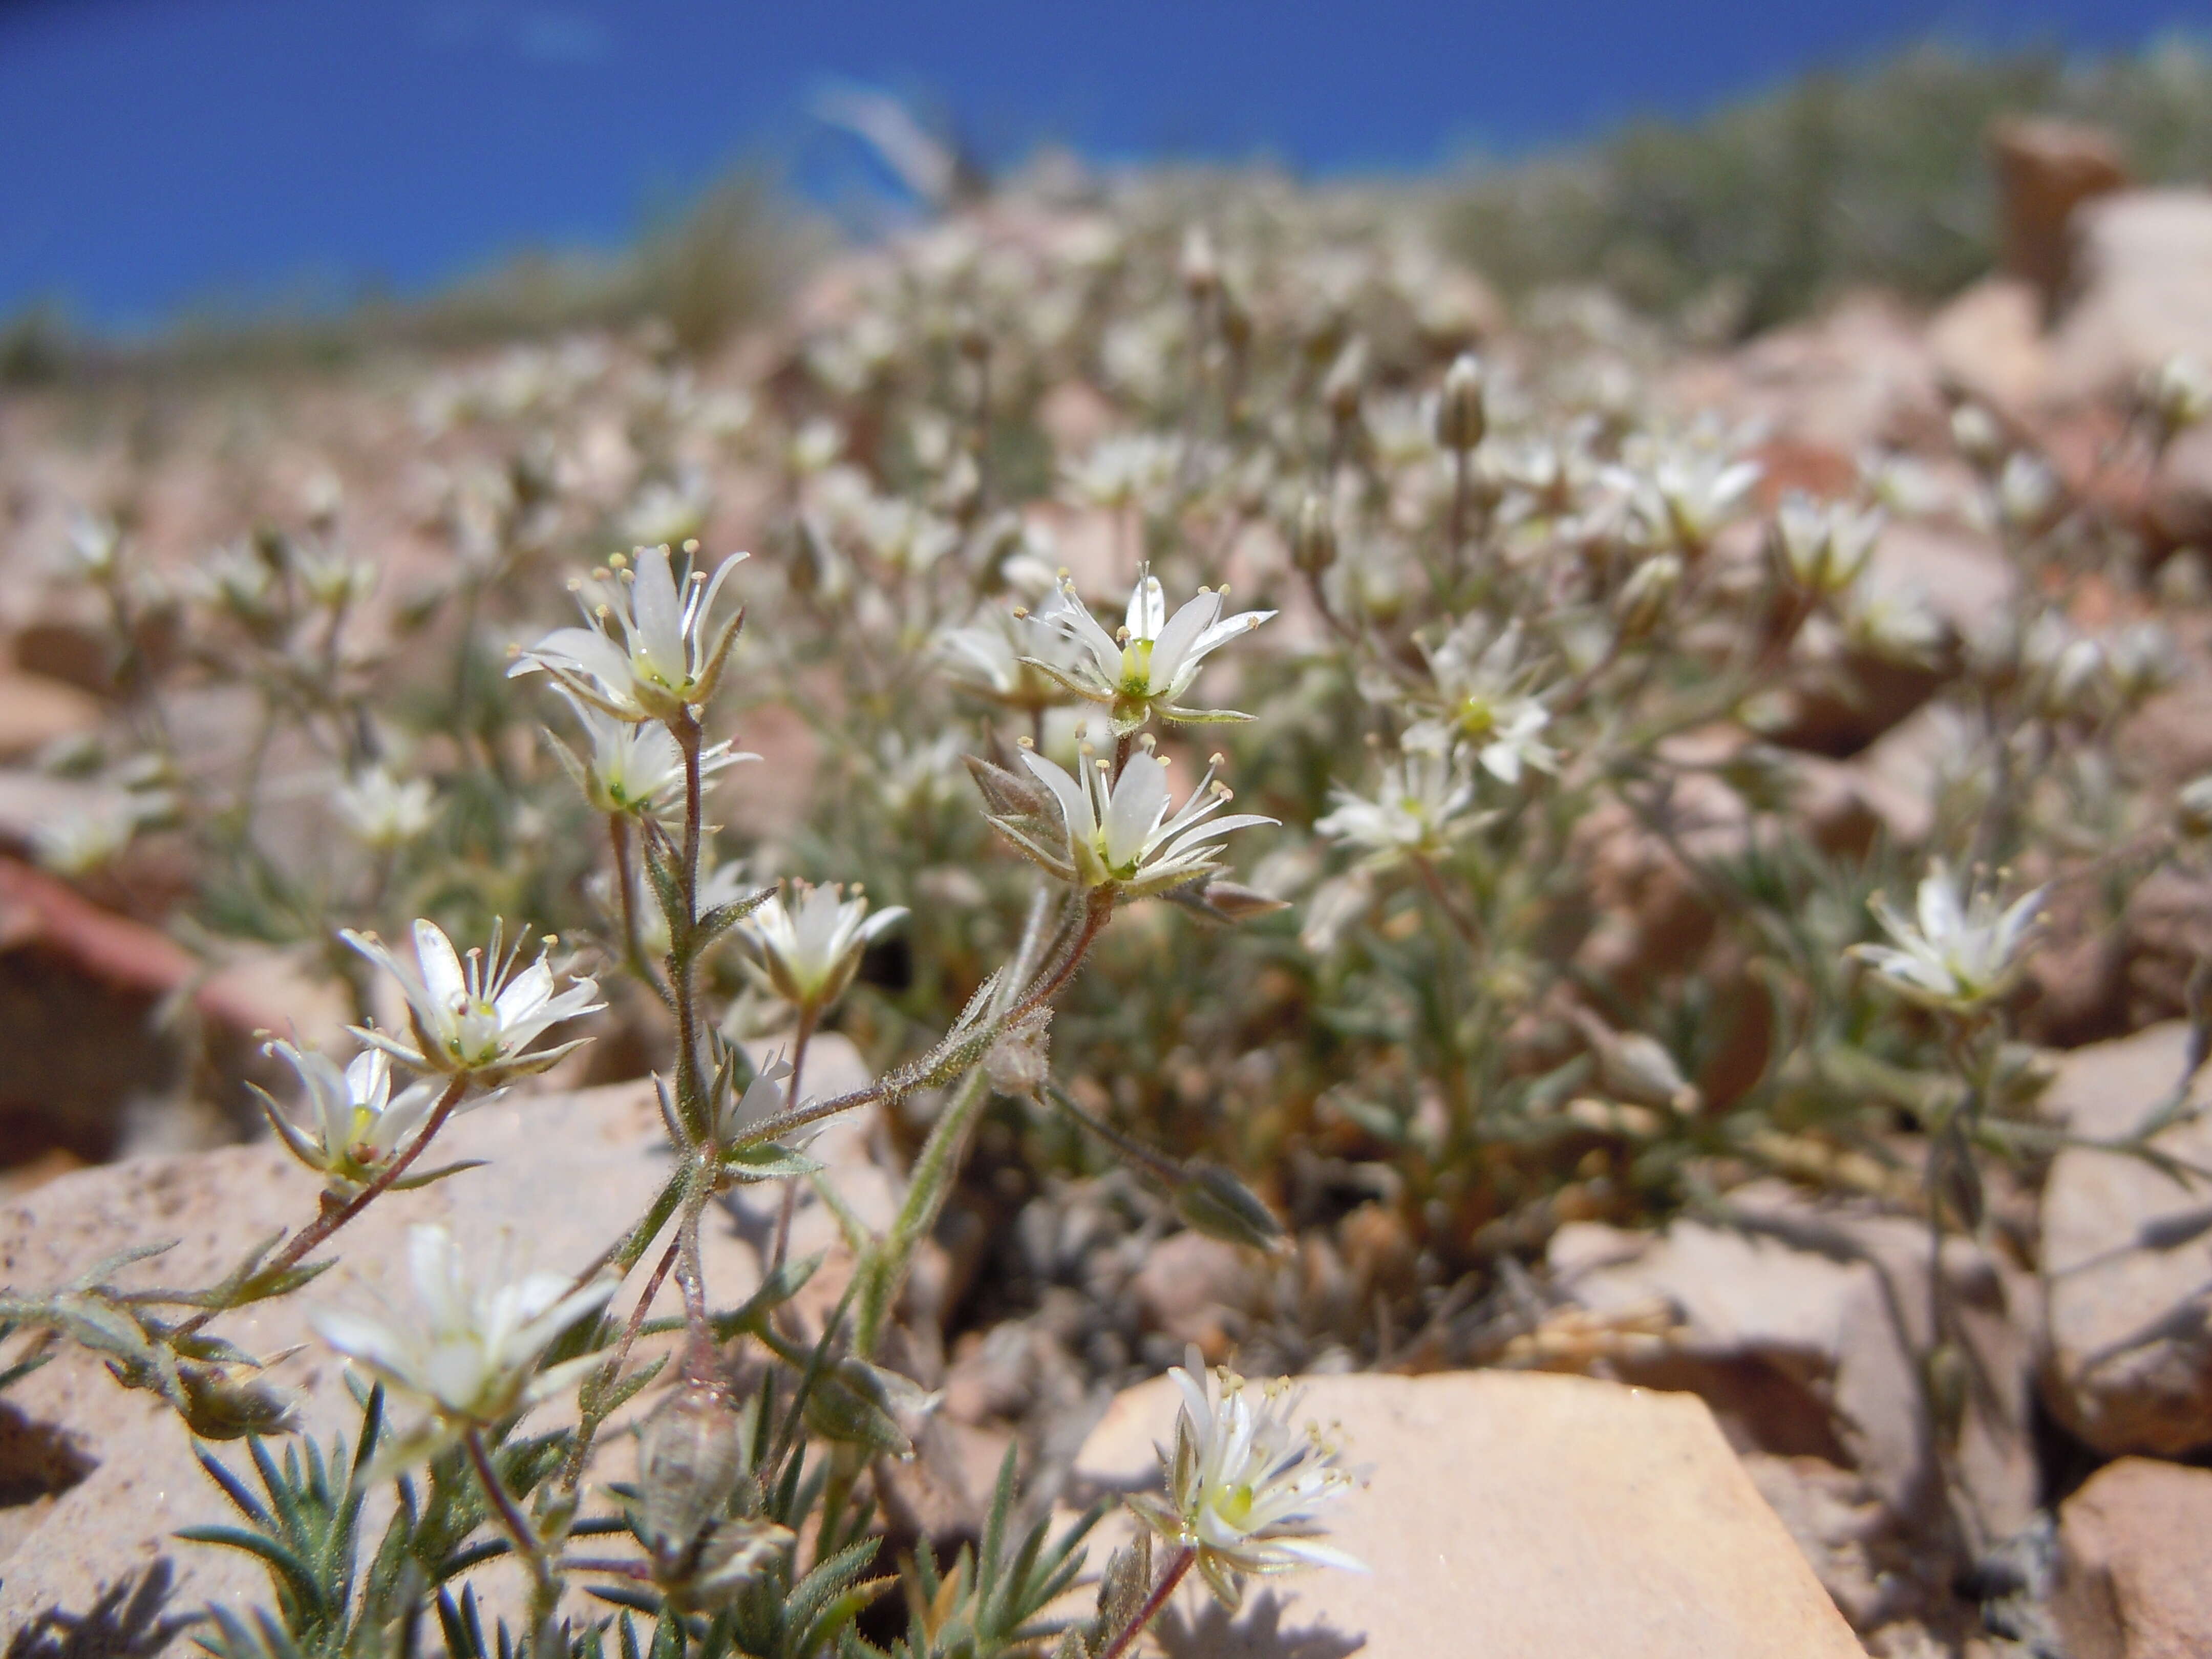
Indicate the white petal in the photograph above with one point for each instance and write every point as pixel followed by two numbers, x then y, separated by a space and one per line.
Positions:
pixel 1941 916
pixel 1176 638
pixel 441 970
pixel 1148 608
pixel 659 615
pixel 526 994
pixel 1074 802
pixel 1138 801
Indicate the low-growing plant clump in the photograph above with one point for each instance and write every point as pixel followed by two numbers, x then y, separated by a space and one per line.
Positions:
pixel 1247 746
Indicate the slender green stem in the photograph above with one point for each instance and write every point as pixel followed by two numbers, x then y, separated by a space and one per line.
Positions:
pixel 580 1449
pixel 690 1090
pixel 807 1016
pixel 1154 1162
pixel 619 842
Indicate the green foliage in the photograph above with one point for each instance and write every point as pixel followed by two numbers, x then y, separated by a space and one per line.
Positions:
pixel 992 1600
pixel 1875 176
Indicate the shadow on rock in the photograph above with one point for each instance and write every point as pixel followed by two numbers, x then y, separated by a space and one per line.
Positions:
pixel 1256 1633
pixel 128 1621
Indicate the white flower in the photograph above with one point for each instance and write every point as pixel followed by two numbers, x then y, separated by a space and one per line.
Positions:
pixel 1898 625
pixel 384 811
pixel 79 843
pixel 478 1019
pixel 94 543
pixel 633 767
pixel 1487 703
pixel 664 512
pixel 1123 834
pixel 764 1096
pixel 903 536
pixel 2142 658
pixel 811 949
pixel 1822 548
pixel 668 657
pixel 1683 497
pixel 2028 491
pixel 2178 393
pixel 1147 668
pixel 354 1122
pixel 466 1352
pixel 1121 472
pixel 2066 671
pixel 990 657
pixel 1960 949
pixel 330 579
pixel 1244 1484
pixel 1421 807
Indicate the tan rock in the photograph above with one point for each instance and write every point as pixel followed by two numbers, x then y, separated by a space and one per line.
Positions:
pixel 1509 1516
pixel 1988 341
pixel 1801 1328
pixel 2145 276
pixel 1201 1290
pixel 2125 1256
pixel 566 1174
pixel 1859 376
pixel 2045 170
pixel 1963 579
pixel 85 1063
pixel 2132 1583
pixel 35 711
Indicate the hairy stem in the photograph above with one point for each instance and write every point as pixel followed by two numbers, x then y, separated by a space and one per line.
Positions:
pixel 1172 1576
pixel 545 1590
pixel 898 1083
pixel 930 1183
pixel 312 1237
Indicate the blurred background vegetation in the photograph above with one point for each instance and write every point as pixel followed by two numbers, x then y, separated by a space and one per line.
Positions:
pixel 1730 222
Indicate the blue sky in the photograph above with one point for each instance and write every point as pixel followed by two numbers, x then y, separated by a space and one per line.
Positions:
pixel 154 153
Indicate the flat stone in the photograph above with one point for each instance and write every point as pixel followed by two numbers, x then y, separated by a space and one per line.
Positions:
pixel 1507 1515
pixel 2143 264
pixel 35 711
pixel 2126 1254
pixel 1801 1328
pixel 1988 340
pixel 2132 1583
pixel 568 1174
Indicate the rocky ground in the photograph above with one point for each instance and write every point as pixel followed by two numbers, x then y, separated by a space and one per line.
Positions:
pixel 1756 1381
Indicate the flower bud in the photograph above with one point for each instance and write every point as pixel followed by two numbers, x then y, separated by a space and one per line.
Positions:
pixel 2028 492
pixel 1461 419
pixel 1643 599
pixel 2193 808
pixel 1979 439
pixel 1313 536
pixel 1006 792
pixel 1347 377
pixel 1216 1203
pixel 1232 900
pixel 1201 269
pixel 688 1467
pixel 731 1555
pixel 1018 1061
pixel 221 1408
pixel 2178 394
